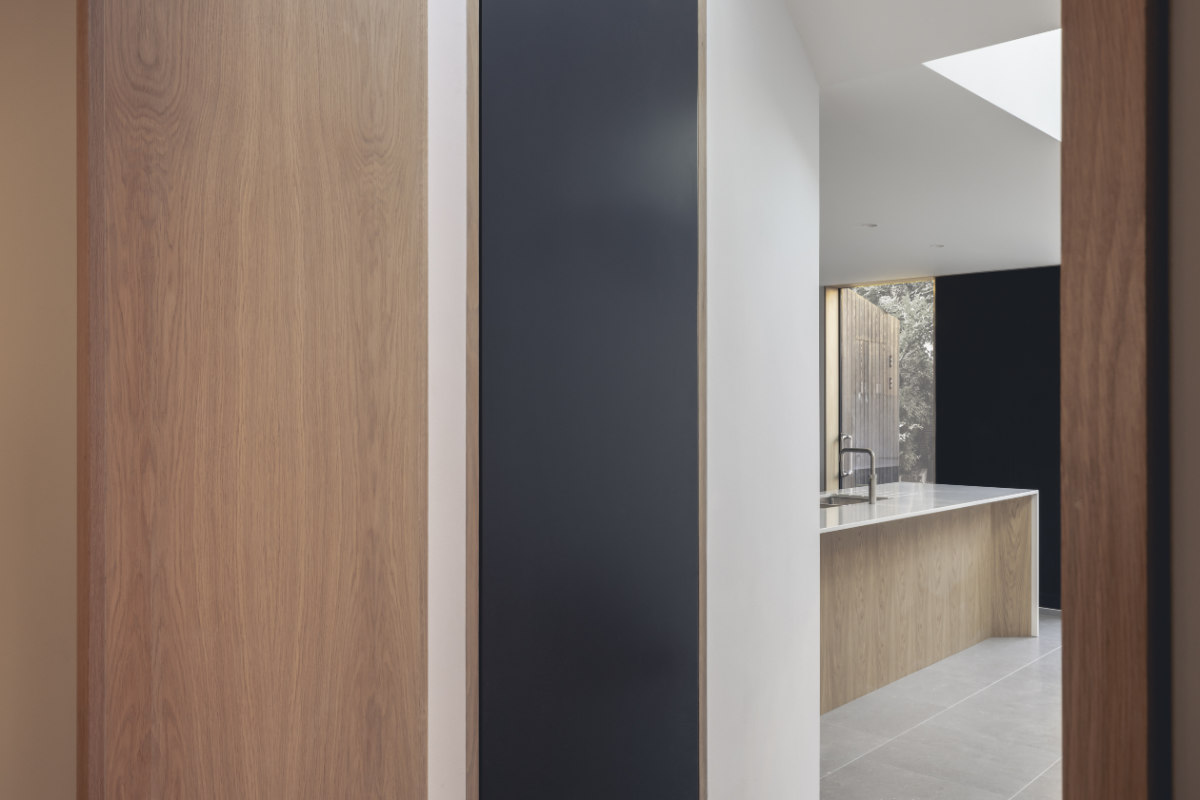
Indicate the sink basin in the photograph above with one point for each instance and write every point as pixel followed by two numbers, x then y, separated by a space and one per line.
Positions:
pixel 838 500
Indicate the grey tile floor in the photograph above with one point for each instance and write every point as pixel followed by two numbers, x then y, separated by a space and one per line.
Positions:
pixel 984 724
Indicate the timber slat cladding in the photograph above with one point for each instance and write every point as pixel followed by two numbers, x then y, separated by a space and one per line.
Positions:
pixel 870 386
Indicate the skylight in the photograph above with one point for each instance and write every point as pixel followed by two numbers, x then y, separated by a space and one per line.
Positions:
pixel 1023 77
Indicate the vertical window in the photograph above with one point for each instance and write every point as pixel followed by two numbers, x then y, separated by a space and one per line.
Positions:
pixel 900 370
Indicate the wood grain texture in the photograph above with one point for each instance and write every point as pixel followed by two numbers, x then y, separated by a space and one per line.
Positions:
pixel 473 408
pixel 1014 601
pixel 1185 388
pixel 899 596
pixel 1114 441
pixel 89 731
pixel 253 399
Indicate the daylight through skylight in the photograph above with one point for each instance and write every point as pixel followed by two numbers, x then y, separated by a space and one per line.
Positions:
pixel 1023 77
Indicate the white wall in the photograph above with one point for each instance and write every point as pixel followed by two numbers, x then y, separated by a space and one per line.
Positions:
pixel 447 397
pixel 37 399
pixel 1185 390
pixel 763 429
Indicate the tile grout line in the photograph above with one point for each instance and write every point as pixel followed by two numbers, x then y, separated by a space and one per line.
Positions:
pixel 943 711
pixel 1040 775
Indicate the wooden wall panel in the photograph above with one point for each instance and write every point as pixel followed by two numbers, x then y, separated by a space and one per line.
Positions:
pixel 1115 532
pixel 901 595
pixel 253 399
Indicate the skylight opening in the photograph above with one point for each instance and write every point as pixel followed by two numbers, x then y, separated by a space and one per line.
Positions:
pixel 1022 77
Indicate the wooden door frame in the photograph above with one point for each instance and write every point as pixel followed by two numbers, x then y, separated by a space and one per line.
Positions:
pixel 1116 489
pixel 1116 526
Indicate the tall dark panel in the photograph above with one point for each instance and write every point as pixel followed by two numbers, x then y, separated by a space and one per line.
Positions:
pixel 589 489
pixel 998 382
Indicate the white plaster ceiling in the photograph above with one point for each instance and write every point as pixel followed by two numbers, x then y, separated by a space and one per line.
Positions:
pixel 920 157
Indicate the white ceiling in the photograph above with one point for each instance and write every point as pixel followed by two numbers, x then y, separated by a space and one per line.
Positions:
pixel 847 39
pixel 919 156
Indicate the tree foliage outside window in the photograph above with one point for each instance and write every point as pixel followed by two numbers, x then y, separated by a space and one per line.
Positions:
pixel 914 305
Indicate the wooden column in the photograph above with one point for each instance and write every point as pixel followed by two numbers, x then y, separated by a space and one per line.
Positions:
pixel 1114 410
pixel 252 404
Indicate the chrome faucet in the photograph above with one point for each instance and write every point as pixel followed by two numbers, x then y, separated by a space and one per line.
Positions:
pixel 874 481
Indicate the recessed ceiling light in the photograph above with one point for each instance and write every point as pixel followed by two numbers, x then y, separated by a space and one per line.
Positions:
pixel 1023 77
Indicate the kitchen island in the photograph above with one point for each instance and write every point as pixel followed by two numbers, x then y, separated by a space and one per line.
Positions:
pixel 923 573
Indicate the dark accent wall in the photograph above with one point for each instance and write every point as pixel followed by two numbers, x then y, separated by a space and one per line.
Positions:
pixel 589 489
pixel 997 361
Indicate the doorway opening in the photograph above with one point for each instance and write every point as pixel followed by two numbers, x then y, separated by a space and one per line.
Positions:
pixel 940 253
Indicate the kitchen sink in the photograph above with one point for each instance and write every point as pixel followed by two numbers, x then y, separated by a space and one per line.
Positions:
pixel 839 500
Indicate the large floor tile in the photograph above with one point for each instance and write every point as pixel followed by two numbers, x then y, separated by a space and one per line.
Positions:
pixel 993 659
pixel 883 714
pixel 935 687
pixel 871 779
pixel 1047 787
pixel 1048 667
pixel 985 723
pixel 1050 624
pixel 841 745
pixel 968 758
pixel 1013 710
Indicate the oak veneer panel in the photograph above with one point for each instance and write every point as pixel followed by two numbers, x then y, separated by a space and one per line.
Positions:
pixel 253 399
pixel 1013 605
pixel 901 595
pixel 1114 415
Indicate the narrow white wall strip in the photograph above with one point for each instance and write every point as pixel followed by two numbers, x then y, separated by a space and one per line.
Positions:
pixel 447 397
pixel 763 418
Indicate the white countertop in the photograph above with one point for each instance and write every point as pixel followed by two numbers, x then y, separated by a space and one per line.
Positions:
pixel 911 500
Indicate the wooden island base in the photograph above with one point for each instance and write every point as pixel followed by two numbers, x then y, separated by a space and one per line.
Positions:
pixel 898 596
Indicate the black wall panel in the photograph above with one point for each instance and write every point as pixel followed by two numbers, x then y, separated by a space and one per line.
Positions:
pixel 589 645
pixel 998 379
